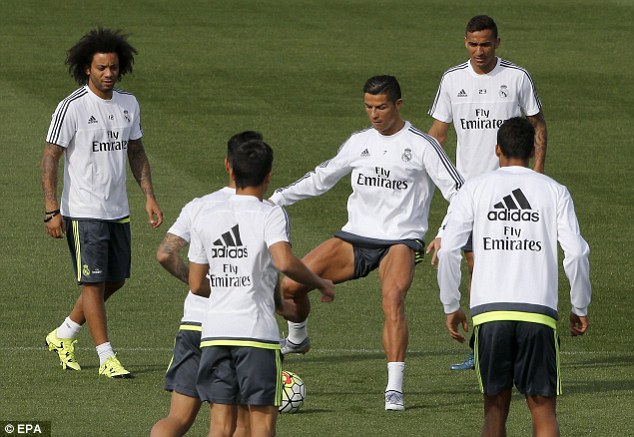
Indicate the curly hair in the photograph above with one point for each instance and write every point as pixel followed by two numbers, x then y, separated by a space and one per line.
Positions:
pixel 99 40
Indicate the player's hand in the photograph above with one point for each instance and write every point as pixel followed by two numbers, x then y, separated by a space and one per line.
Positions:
pixel 578 324
pixel 435 247
pixel 55 226
pixel 327 291
pixel 452 321
pixel 154 213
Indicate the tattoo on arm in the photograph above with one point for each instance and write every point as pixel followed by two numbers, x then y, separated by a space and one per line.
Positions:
pixel 541 137
pixel 140 166
pixel 48 168
pixel 169 257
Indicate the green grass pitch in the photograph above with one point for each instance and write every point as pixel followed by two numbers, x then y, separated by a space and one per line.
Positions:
pixel 294 70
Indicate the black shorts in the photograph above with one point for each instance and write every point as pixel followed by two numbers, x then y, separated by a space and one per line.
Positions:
pixel 369 252
pixel 183 368
pixel 240 375
pixel 100 250
pixel 524 354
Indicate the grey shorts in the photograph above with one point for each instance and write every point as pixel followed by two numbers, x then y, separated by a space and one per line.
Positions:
pixel 100 250
pixel 183 368
pixel 240 375
pixel 524 354
pixel 369 252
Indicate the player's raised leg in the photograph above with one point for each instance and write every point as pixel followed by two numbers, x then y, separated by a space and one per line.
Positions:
pixel 396 272
pixel 333 259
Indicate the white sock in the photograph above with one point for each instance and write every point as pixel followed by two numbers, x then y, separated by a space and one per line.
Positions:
pixel 297 332
pixel 68 329
pixel 104 350
pixel 395 370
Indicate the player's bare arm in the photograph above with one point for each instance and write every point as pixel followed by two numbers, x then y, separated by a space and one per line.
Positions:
pixel 439 130
pixel 541 140
pixel 198 282
pixel 140 166
pixel 295 269
pixel 168 255
pixel 48 167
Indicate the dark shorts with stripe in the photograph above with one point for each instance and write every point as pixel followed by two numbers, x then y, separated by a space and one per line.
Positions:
pixel 100 250
pixel 368 252
pixel 240 375
pixel 524 354
pixel 183 369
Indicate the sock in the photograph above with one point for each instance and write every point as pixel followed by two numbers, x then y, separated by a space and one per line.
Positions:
pixel 68 329
pixel 395 370
pixel 104 350
pixel 297 332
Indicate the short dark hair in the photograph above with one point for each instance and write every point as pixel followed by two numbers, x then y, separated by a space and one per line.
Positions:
pixel 516 138
pixel 383 85
pixel 482 22
pixel 252 161
pixel 99 40
pixel 239 138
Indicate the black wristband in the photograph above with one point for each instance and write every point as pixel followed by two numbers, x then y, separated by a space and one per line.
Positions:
pixel 54 213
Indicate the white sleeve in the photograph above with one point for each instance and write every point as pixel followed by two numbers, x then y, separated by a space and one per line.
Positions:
pixel 316 182
pixel 441 108
pixel 459 226
pixel 183 225
pixel 136 133
pixel 197 252
pixel 528 98
pixel 576 252
pixel 441 170
pixel 63 125
pixel 277 227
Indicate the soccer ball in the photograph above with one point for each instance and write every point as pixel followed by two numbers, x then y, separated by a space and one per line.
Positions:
pixel 293 392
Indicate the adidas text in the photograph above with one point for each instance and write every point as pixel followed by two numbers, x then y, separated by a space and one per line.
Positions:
pixel 229 252
pixel 513 215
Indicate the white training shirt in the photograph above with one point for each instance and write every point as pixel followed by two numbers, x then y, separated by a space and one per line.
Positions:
pixel 477 104
pixel 517 217
pixel 194 306
pixel 392 177
pixel 95 134
pixel 234 237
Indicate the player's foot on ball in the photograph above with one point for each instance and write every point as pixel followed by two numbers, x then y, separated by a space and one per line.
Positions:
pixel 112 368
pixel 394 401
pixel 288 347
pixel 65 348
pixel 467 364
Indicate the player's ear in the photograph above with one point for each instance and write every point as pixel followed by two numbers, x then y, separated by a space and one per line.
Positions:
pixel 267 178
pixel 497 43
pixel 227 166
pixel 498 150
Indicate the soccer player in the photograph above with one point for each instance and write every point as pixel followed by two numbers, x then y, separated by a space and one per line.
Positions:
pixel 237 247
pixel 97 129
pixel 516 216
pixel 394 170
pixel 181 375
pixel 477 96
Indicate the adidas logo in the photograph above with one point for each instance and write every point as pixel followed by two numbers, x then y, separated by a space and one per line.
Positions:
pixel 365 153
pixel 92 120
pixel 229 245
pixel 513 207
pixel 462 93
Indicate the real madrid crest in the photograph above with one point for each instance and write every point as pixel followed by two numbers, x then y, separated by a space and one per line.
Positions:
pixel 407 155
pixel 504 91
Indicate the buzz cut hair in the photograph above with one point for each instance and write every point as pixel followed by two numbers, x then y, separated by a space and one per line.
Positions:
pixel 384 84
pixel 516 138
pixel 482 22
pixel 99 40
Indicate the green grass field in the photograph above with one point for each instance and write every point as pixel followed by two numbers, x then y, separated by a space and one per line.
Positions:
pixel 294 70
